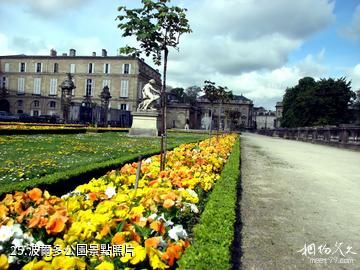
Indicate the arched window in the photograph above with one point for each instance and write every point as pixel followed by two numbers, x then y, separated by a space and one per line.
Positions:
pixel 36 103
pixel 19 103
pixel 52 104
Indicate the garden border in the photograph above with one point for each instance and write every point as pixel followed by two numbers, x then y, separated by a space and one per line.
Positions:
pixel 214 236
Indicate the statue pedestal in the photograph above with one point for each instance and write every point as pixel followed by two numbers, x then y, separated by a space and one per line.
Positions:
pixel 145 123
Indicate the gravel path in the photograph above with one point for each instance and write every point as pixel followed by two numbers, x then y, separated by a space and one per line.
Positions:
pixel 297 194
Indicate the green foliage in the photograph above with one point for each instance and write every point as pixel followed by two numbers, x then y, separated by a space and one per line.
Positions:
pixel 213 236
pixel 155 25
pixel 179 93
pixel 192 93
pixel 323 102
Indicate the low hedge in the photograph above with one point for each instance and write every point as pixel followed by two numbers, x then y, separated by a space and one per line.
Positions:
pixel 214 235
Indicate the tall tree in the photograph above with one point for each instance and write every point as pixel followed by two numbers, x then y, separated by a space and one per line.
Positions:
pixel 157 27
pixel 212 95
pixel 179 93
pixel 223 96
pixel 192 94
pixel 323 102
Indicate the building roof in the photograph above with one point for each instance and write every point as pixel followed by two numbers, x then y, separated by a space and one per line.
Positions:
pixel 24 56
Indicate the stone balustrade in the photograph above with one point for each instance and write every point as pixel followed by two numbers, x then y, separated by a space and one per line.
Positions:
pixel 343 136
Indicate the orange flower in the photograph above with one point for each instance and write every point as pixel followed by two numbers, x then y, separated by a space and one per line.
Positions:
pixel 158 226
pixel 34 194
pixel 172 252
pixel 18 207
pixel 3 211
pixel 105 230
pixel 34 221
pixel 171 196
pixel 168 203
pixel 135 237
pixel 152 242
pixel 56 223
pixel 92 196
pixel 119 238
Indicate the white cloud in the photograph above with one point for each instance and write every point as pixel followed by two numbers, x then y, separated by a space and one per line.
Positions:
pixel 264 87
pixel 354 75
pixel 5 47
pixel 353 31
pixel 251 19
pixel 47 8
pixel 246 35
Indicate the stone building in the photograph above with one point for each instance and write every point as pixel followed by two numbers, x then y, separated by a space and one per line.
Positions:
pixel 264 119
pixel 30 84
pixel 234 114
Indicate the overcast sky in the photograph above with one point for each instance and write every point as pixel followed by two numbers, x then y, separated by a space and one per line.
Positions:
pixel 254 47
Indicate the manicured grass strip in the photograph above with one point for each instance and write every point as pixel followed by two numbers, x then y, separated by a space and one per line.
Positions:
pixel 213 236
pixel 71 160
pixel 56 130
pixel 64 181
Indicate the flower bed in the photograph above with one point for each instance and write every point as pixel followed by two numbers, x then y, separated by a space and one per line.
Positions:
pixel 110 224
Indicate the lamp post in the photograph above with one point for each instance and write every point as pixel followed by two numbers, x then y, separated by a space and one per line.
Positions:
pixel 105 97
pixel 86 110
pixel 66 89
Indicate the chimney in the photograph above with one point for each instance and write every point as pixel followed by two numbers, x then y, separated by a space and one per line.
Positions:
pixel 52 52
pixel 72 52
pixel 103 53
pixel 94 54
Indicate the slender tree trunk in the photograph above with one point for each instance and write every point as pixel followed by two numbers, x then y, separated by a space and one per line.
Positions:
pixel 163 118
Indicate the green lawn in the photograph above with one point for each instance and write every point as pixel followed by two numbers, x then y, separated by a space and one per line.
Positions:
pixel 28 160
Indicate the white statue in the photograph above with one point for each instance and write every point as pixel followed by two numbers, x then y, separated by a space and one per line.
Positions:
pixel 149 95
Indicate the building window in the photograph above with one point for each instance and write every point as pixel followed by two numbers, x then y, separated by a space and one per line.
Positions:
pixel 124 88
pixel 22 67
pixel 37 86
pixel 106 68
pixel 52 104
pixel 126 68
pixel 19 103
pixel 124 107
pixel 106 83
pixel 88 88
pixel 56 67
pixel 38 67
pixel 36 103
pixel 91 68
pixel 53 87
pixel 7 67
pixel 20 111
pixel 35 113
pixel 72 68
pixel 4 83
pixel 73 91
pixel 21 86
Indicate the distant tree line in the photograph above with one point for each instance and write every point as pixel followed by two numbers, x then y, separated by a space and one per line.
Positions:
pixel 316 103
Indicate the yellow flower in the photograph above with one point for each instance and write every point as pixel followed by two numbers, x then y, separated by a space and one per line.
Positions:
pixel 42 265
pixel 68 263
pixel 139 255
pixel 105 266
pixel 155 261
pixel 4 264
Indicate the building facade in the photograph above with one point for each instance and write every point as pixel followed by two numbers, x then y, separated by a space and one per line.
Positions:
pixel 30 84
pixel 264 119
pixel 234 114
